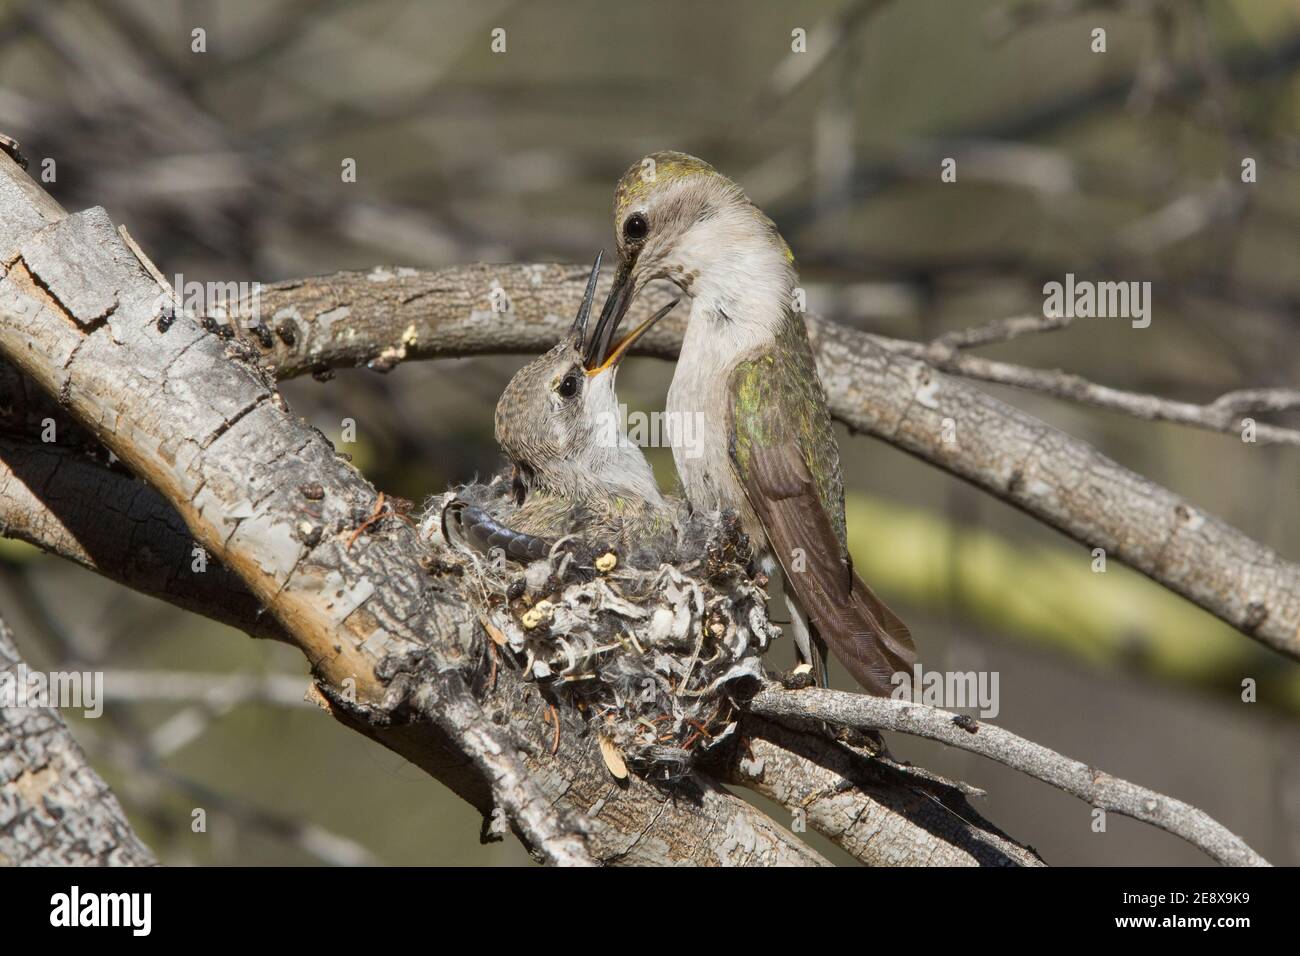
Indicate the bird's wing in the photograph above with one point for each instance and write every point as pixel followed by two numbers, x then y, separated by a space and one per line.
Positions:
pixel 773 468
pixel 466 523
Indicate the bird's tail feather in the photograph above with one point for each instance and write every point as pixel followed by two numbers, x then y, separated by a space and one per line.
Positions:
pixel 869 639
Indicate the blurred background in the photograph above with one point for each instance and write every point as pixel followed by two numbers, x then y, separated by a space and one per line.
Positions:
pixel 1122 165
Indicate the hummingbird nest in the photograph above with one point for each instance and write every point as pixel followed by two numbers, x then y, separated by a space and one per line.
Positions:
pixel 655 650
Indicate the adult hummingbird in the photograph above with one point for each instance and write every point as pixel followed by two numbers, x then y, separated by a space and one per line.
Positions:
pixel 575 470
pixel 747 383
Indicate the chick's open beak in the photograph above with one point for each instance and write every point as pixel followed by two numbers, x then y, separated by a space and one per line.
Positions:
pixel 616 354
pixel 579 330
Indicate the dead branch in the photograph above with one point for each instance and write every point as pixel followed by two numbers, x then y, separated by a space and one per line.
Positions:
pixel 140 759
pixel 1093 786
pixel 1224 414
pixel 868 806
pixel 992 333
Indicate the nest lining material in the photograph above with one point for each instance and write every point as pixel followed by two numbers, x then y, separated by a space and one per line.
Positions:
pixel 655 658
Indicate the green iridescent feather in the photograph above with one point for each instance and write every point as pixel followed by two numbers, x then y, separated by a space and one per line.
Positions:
pixel 778 398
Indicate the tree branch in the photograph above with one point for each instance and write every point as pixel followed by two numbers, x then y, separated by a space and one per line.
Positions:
pixel 1222 415
pixel 68 504
pixel 1087 783
pixel 1065 483
pixel 994 333
pixel 877 811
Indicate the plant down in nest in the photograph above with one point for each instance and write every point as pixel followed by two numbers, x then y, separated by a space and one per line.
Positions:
pixel 656 653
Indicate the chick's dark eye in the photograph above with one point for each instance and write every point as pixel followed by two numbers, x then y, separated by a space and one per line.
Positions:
pixel 635 227
pixel 569 385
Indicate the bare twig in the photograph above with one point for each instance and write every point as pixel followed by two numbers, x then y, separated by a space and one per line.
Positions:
pixel 282 690
pixel 1221 415
pixel 1087 783
pixel 824 41
pixel 992 333
pixel 145 773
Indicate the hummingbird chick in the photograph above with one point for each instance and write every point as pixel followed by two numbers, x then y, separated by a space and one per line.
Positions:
pixel 575 470
pixel 764 444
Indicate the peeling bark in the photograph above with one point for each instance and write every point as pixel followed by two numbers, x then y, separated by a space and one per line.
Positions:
pixel 107 521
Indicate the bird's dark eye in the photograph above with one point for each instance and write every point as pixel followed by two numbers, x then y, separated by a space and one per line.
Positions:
pixel 569 385
pixel 635 227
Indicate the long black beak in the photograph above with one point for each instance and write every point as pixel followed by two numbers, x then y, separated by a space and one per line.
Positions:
pixel 629 340
pixel 611 316
pixel 579 330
